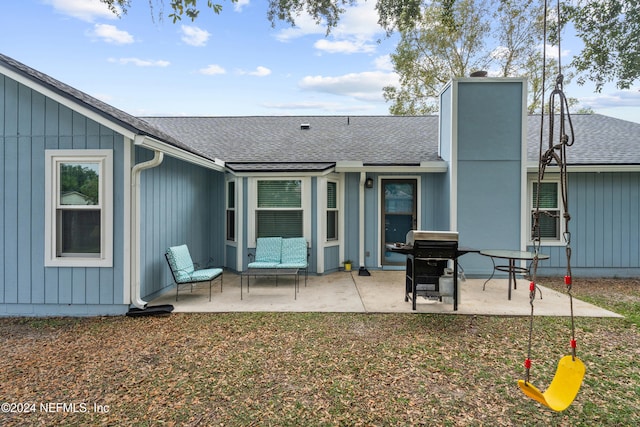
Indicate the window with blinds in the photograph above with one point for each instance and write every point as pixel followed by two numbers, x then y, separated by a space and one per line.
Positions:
pixel 279 210
pixel 332 210
pixel 549 206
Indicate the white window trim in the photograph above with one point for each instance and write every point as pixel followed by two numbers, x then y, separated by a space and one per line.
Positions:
pixel 545 242
pixel 253 202
pixel 332 242
pixel 235 209
pixel 52 159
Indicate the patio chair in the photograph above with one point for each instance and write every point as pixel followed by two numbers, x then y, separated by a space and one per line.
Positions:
pixel 267 254
pixel 184 270
pixel 295 254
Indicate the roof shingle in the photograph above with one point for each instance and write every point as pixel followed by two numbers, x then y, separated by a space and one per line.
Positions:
pixel 277 142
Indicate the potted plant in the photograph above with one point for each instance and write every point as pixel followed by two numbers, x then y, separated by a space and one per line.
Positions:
pixel 347 265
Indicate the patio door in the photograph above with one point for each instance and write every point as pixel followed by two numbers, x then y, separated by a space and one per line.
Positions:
pixel 398 214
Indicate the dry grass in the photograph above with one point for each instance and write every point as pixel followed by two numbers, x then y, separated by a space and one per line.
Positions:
pixel 317 369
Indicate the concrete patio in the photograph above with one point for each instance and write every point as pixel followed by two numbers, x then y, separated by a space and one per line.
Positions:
pixel 382 292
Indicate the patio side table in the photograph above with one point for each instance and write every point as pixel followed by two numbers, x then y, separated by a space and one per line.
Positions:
pixel 511 268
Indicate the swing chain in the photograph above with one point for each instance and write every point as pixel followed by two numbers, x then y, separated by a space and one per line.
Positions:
pixel 554 154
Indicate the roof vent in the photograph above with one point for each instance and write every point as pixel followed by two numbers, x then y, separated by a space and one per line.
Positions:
pixel 305 126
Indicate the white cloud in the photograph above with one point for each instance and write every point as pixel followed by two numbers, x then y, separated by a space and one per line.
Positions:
pixel 360 21
pixel 365 86
pixel 240 4
pixel 86 10
pixel 260 71
pixel 344 46
pixel 500 53
pixel 383 63
pixel 552 51
pixel 111 34
pixel 194 36
pixel 212 70
pixel 356 32
pixel 140 62
pixel 329 107
pixel 621 98
pixel 301 105
pixel 305 25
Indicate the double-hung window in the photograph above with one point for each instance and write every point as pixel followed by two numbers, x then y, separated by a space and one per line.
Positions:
pixel 332 210
pixel 79 208
pixel 550 216
pixel 279 208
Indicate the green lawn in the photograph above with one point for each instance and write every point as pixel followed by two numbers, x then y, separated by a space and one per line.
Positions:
pixel 316 369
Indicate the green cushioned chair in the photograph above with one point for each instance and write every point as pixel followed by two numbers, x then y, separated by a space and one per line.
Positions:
pixel 295 255
pixel 267 253
pixel 184 270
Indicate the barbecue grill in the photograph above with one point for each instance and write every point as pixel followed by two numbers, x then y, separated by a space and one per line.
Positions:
pixel 428 254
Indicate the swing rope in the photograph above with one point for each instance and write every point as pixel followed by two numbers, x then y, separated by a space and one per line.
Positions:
pixel 554 154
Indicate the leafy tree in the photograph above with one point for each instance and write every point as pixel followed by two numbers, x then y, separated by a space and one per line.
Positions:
pixel 455 38
pixel 81 179
pixel 610 29
pixel 326 12
pixel 447 42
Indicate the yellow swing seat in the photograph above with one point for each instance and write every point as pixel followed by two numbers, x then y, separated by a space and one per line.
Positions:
pixel 563 388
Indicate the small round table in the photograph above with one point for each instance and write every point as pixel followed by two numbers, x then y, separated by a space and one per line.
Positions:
pixel 511 268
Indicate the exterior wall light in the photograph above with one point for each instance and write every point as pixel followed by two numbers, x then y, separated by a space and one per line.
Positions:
pixel 369 183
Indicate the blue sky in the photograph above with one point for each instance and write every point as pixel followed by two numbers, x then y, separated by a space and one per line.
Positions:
pixel 230 64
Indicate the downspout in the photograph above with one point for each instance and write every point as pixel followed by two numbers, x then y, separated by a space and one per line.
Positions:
pixel 135 222
pixel 363 177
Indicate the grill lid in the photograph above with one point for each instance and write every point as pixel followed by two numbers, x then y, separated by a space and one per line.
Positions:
pixel 424 235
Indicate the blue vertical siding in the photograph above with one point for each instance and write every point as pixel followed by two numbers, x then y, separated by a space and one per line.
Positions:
pixel 180 204
pixel 489 167
pixel 31 123
pixel 435 202
pixel 604 226
pixel 351 216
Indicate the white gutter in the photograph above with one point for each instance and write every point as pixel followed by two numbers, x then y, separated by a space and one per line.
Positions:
pixel 173 151
pixel 135 224
pixel 363 178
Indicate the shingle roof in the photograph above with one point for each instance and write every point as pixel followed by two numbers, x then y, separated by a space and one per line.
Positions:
pixel 369 139
pixel 380 139
pixel 599 140
pixel 281 143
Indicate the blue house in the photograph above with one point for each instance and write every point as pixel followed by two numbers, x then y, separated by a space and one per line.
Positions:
pixel 93 196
